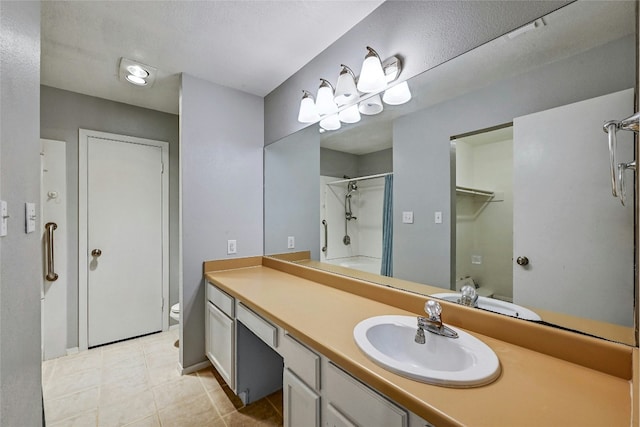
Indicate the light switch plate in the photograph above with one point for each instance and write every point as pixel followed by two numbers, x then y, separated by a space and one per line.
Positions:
pixel 407 217
pixel 232 247
pixel 30 217
pixel 4 218
pixel 437 217
pixel 291 242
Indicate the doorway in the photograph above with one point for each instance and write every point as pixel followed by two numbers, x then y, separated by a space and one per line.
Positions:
pixel 123 237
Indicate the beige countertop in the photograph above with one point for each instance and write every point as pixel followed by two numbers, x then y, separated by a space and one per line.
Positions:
pixel 534 388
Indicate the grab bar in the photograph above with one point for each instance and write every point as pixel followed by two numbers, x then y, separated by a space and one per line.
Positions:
pixel 617 169
pixel 326 236
pixel 51 275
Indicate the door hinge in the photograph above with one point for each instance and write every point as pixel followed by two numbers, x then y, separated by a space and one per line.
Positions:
pixel 162 307
pixel 161 167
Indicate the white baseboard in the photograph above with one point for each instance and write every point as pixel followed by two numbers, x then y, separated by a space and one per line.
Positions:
pixel 73 350
pixel 173 327
pixel 193 368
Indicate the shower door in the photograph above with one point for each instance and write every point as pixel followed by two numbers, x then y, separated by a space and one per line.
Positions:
pixel 577 239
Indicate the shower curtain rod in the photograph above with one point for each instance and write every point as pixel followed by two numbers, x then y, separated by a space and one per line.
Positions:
pixel 360 178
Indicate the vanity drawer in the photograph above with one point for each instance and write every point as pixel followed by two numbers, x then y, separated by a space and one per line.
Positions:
pixel 301 360
pixel 359 403
pixel 220 299
pixel 258 325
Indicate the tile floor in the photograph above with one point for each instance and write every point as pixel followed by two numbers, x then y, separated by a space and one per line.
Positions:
pixel 136 383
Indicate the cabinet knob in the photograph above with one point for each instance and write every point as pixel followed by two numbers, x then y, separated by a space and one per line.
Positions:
pixel 96 252
pixel 522 260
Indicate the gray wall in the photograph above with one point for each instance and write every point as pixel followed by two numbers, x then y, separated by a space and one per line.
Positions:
pixel 20 267
pixel 336 163
pixel 298 156
pixel 62 113
pixel 423 33
pixel 221 164
pixel 421 144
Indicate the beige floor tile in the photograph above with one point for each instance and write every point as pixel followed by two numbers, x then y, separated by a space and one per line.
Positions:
pixel 186 387
pixel 48 367
pixel 127 411
pixel 257 414
pixel 150 421
pixel 78 362
pixel 210 380
pixel 84 420
pixel 122 390
pixel 164 345
pixel 60 386
pixel 71 405
pixel 134 371
pixel 164 373
pixel 122 356
pixel 225 400
pixel 198 411
pixel 161 358
pixel 276 399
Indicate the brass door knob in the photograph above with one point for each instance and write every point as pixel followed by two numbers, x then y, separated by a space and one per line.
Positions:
pixel 522 260
pixel 96 252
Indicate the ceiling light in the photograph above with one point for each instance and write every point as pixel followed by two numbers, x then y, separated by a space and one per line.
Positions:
pixel 308 111
pixel 138 71
pixel 371 106
pixel 136 80
pixel 324 99
pixel 350 114
pixel 346 91
pixel 399 94
pixel 372 77
pixel 330 123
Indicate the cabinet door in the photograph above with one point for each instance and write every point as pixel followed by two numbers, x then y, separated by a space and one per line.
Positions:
pixel 335 419
pixel 219 343
pixel 301 404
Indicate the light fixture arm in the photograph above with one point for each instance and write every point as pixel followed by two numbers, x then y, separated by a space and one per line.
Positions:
pixel 346 69
pixel 372 52
pixel 326 83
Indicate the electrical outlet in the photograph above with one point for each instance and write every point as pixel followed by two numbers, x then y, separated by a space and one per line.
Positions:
pixel 232 247
pixel 30 217
pixel 407 217
pixel 291 242
pixel 476 259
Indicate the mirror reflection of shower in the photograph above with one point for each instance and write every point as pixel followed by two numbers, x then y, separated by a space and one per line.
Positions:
pixel 352 186
pixel 352 209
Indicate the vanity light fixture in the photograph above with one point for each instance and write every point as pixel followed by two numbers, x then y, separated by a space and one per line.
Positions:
pixel 398 94
pixel 371 106
pixel 308 112
pixel 324 99
pixel 346 91
pixel 331 122
pixel 350 114
pixel 372 78
pixel 137 73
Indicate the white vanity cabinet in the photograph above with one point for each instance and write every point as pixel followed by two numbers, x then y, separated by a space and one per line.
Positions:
pixel 301 383
pixel 220 333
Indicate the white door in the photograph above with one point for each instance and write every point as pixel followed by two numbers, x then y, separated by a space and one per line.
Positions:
pixel 53 202
pixel 125 238
pixel 577 237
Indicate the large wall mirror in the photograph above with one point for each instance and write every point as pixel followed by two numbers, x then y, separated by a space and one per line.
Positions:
pixel 494 176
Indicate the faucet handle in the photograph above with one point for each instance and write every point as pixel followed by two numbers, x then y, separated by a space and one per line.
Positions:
pixel 469 296
pixel 433 309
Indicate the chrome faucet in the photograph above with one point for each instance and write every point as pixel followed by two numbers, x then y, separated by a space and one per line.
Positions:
pixel 468 296
pixel 433 323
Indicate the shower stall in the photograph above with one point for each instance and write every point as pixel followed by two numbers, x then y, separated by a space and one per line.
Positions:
pixel 352 220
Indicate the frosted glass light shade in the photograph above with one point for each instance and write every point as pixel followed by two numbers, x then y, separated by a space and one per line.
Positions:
pixel 372 78
pixel 324 99
pixel 399 94
pixel 308 112
pixel 346 91
pixel 371 106
pixel 330 123
pixel 350 115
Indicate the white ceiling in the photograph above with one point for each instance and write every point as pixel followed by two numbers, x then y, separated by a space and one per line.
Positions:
pixel 252 46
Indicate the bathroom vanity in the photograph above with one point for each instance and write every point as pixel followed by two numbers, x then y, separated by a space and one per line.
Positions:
pixel 300 322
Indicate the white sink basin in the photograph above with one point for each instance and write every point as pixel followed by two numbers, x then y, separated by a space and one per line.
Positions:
pixel 495 305
pixel 452 362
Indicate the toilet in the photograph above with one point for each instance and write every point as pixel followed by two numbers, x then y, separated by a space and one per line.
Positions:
pixel 482 291
pixel 175 312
